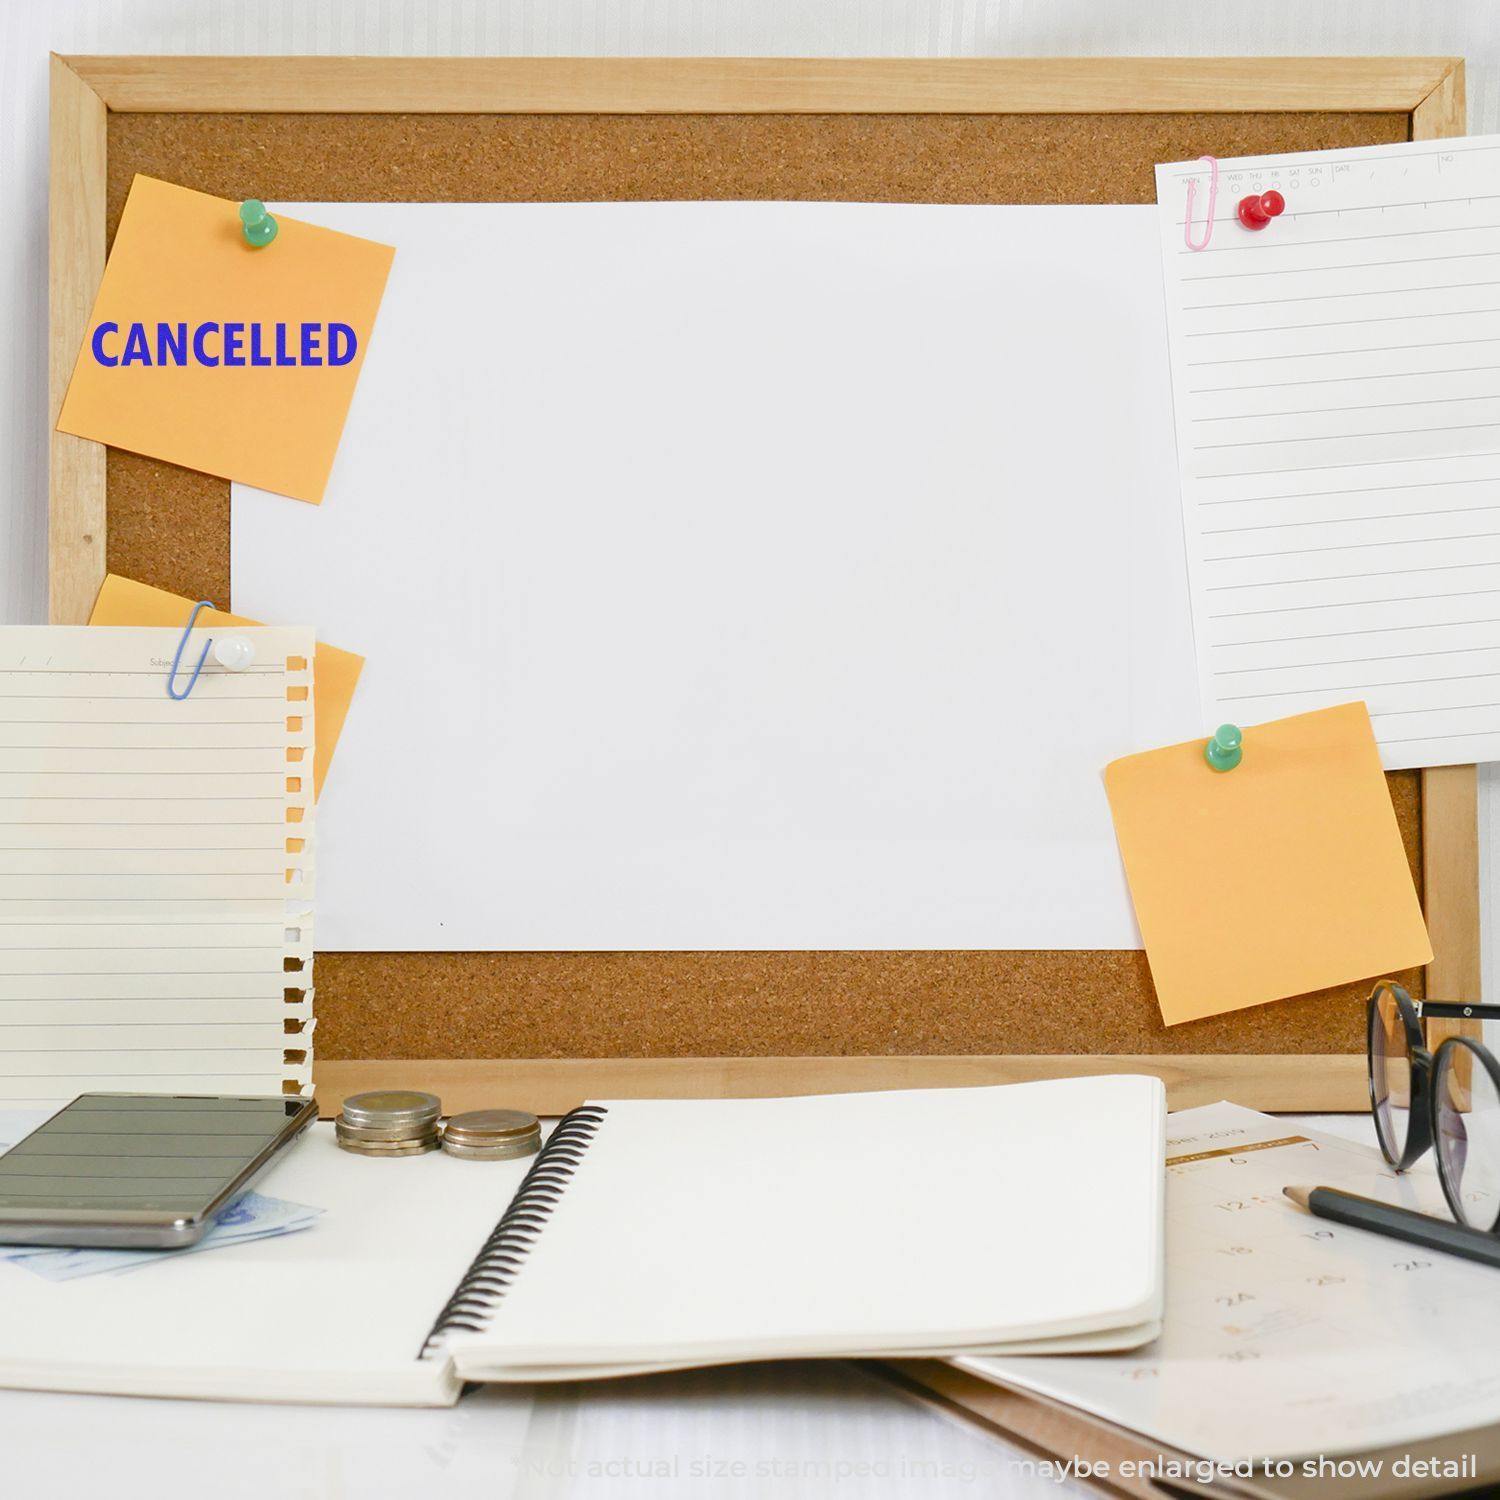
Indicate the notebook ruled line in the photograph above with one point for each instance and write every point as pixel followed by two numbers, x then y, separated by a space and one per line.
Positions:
pixel 1250 359
pixel 1345 577
pixel 1379 489
pixel 1343 239
pixel 1469 536
pixel 1363 463
pixel 1356 687
pixel 1392 515
pixel 1271 385
pixel 1328 635
pixel 1442 286
pixel 1367 603
pixel 1351 265
pixel 1263 329
pixel 1318 411
pixel 1335 437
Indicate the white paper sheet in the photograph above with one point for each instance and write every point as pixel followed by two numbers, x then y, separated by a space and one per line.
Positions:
pixel 770 575
pixel 1286 1335
pixel 148 901
pixel 1337 382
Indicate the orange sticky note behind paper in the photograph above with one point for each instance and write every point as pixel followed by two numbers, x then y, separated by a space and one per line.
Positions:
pixel 1282 876
pixel 180 269
pixel 122 601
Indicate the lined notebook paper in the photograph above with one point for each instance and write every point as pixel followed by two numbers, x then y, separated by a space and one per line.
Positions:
pixel 1337 386
pixel 156 863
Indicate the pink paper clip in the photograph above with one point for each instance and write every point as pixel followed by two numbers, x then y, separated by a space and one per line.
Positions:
pixel 1213 198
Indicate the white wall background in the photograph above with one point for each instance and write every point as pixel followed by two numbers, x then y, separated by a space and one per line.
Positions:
pixel 29 29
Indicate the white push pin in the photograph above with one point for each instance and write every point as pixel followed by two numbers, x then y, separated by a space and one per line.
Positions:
pixel 234 652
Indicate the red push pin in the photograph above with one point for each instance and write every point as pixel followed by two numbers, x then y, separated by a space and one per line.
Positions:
pixel 1259 209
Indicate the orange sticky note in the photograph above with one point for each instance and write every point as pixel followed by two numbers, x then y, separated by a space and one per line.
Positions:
pixel 122 601
pixel 1282 876
pixel 225 358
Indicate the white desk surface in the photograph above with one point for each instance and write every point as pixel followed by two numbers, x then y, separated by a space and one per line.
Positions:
pixel 777 1432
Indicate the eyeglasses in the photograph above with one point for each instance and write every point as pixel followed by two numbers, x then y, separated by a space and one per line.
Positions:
pixel 1449 1098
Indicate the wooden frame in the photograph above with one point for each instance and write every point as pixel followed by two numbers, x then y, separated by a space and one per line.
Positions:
pixel 85 89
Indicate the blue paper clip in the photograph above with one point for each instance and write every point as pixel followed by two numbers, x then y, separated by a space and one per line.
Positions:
pixel 187 630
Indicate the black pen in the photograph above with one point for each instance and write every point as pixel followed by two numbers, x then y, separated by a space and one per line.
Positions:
pixel 1398 1223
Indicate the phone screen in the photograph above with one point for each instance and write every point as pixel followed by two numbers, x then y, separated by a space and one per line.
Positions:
pixel 173 1154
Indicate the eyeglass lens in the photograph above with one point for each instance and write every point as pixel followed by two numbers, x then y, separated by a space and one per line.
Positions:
pixel 1468 1136
pixel 1390 1075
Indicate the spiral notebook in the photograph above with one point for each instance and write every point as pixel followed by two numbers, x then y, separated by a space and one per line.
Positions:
pixel 648 1235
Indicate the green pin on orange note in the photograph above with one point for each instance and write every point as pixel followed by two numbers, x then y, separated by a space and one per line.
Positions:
pixel 1224 750
pixel 259 227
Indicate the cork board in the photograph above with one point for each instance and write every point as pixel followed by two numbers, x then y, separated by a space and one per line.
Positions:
pixel 170 527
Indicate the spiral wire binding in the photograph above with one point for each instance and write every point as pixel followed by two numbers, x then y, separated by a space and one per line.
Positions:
pixel 492 1271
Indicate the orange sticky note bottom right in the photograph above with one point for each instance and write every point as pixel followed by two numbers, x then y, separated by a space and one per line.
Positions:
pixel 1282 876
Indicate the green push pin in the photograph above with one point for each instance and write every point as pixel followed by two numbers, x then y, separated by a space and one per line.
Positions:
pixel 1223 751
pixel 260 228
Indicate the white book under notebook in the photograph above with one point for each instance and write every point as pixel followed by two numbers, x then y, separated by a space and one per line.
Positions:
pixel 156 865
pixel 650 1234
pixel 1286 1336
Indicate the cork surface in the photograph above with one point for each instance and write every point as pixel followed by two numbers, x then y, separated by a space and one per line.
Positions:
pixel 170 527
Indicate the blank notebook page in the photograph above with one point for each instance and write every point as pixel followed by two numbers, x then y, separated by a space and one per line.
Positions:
pixel 703 1229
pixel 1336 378
pixel 155 866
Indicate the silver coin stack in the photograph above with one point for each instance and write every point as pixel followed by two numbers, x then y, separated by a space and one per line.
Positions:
pixel 492 1134
pixel 389 1122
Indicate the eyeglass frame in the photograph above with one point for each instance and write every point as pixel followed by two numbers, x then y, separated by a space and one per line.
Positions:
pixel 1421 1127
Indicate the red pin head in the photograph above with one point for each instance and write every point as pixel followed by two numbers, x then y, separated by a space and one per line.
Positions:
pixel 1259 209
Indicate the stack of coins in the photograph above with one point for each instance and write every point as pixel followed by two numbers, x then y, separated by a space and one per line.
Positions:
pixel 389 1122
pixel 492 1134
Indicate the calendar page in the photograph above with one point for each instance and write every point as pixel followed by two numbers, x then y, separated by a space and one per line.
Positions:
pixel 1284 1334
pixel 1333 385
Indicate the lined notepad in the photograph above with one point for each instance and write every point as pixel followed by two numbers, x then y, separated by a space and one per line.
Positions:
pixel 1336 378
pixel 156 866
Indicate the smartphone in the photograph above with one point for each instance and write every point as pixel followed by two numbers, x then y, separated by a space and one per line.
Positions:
pixel 140 1170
